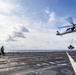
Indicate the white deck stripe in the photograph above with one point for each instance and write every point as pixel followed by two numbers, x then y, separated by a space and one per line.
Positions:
pixel 73 63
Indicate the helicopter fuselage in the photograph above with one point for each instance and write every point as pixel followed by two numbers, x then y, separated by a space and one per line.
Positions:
pixel 66 32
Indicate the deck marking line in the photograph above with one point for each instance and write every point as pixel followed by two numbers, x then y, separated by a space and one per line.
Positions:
pixel 73 63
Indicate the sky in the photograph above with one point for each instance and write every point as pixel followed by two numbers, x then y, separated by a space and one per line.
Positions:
pixel 32 24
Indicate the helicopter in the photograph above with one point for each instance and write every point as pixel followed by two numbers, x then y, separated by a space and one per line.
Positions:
pixel 70 29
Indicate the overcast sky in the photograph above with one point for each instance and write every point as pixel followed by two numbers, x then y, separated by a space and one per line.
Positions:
pixel 32 24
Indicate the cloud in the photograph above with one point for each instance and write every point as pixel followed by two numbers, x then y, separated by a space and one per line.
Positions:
pixel 47 11
pixel 11 16
pixel 9 7
pixel 52 17
pixel 10 38
pixel 19 34
pixel 24 29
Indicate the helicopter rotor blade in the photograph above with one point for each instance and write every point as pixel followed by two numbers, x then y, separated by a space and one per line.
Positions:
pixel 65 26
pixel 70 20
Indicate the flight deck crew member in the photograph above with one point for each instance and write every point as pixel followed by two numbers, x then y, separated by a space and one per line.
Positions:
pixel 2 50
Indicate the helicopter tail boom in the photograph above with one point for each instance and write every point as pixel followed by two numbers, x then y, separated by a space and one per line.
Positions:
pixel 58 33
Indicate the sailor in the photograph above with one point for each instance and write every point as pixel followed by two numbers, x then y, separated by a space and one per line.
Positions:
pixel 2 50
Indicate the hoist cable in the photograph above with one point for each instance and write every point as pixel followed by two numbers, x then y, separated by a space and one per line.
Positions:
pixel 72 39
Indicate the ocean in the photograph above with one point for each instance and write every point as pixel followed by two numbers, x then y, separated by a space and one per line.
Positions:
pixel 40 50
